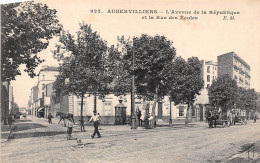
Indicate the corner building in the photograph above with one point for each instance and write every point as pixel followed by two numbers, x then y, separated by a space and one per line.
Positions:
pixel 237 68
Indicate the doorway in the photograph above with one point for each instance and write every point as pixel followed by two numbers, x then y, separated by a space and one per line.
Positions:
pixel 159 110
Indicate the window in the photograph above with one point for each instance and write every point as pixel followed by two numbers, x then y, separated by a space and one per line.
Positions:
pixel 181 111
pixel 208 69
pixel 208 85
pixel 208 78
pixel 84 108
pixel 108 108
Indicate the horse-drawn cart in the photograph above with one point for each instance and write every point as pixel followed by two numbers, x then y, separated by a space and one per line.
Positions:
pixel 240 119
pixel 215 118
pixel 239 116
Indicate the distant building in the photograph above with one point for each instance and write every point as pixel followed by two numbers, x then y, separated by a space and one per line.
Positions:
pixel 7 100
pixel 46 75
pixel 34 97
pixel 237 68
pixel 209 72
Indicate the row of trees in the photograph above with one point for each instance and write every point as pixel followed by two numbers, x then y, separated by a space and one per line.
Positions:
pixel 225 93
pixel 90 66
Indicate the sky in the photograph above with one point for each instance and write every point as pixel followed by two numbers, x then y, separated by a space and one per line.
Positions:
pixel 206 38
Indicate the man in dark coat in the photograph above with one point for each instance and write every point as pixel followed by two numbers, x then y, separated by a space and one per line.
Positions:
pixel 49 118
pixel 139 114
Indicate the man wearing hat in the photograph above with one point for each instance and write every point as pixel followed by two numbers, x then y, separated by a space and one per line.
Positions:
pixel 96 120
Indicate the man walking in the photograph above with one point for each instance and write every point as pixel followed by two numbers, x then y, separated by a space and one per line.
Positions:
pixel 96 120
pixel 49 118
pixel 139 114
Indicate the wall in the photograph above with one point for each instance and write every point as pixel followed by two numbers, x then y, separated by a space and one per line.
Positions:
pixel 106 107
pixel 225 64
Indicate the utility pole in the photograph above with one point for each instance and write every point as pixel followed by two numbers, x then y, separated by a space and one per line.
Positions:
pixel 133 118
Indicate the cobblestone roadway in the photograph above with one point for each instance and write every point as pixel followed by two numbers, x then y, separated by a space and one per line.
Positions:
pixel 196 143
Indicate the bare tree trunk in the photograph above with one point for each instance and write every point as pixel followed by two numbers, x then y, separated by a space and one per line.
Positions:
pixel 170 119
pixel 187 115
pixel 95 102
pixel 154 106
pixel 81 109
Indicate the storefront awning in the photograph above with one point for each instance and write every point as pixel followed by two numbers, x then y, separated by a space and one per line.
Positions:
pixel 40 109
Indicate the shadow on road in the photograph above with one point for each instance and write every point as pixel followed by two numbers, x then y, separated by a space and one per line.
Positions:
pixel 23 120
pixel 39 134
pixel 176 125
pixel 27 126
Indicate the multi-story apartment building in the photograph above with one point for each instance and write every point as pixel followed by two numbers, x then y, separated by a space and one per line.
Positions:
pixel 209 72
pixel 237 68
pixel 34 97
pixel 46 75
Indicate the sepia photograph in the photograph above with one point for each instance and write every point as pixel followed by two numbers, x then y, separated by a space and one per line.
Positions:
pixel 172 81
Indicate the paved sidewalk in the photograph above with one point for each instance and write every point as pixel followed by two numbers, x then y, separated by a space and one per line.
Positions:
pixel 36 127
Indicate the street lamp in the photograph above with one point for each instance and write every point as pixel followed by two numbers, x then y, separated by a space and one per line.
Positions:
pixel 133 118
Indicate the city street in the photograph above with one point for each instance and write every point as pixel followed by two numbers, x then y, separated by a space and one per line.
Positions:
pixel 34 140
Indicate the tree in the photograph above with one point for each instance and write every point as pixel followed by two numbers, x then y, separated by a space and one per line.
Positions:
pixel 151 55
pixel 26 30
pixel 184 81
pixel 251 101
pixel 241 96
pixel 258 102
pixel 222 92
pixel 121 77
pixel 83 68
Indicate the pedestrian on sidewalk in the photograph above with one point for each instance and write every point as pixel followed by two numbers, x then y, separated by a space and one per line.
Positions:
pixel 49 118
pixel 10 120
pixel 139 114
pixel 96 120
pixel 82 127
pixel 69 128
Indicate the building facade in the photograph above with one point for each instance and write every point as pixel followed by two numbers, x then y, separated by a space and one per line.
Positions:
pixel 46 75
pixel 7 100
pixel 209 72
pixel 237 68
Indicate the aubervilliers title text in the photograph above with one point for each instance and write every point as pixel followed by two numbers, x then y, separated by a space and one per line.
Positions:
pixel 172 14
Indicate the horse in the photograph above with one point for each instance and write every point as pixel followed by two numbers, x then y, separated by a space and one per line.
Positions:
pixel 212 118
pixel 64 116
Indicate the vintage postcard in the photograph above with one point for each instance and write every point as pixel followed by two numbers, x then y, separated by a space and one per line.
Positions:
pixel 130 81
